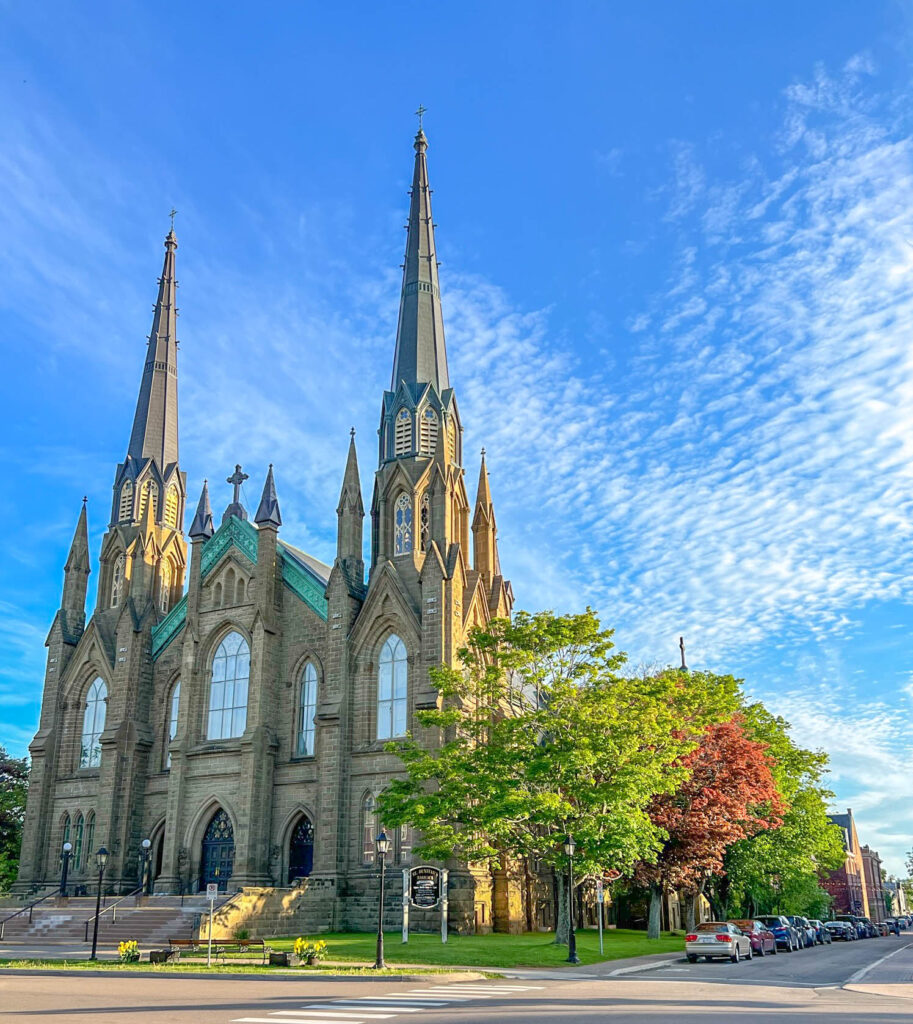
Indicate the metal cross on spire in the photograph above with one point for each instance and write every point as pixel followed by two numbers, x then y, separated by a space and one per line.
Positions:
pixel 237 478
pixel 172 216
pixel 420 113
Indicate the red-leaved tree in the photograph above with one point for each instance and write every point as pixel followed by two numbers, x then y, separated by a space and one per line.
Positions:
pixel 730 794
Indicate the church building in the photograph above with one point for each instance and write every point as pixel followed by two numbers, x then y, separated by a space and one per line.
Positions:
pixel 230 696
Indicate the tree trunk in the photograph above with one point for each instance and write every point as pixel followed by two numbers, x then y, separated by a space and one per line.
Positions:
pixel 690 910
pixel 561 921
pixel 654 922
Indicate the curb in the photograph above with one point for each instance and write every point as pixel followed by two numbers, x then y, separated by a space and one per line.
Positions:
pixel 637 968
pixel 276 974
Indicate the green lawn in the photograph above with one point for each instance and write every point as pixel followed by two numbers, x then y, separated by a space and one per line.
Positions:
pixel 198 967
pixel 532 949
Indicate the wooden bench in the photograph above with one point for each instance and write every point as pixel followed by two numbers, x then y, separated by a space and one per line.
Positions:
pixel 220 947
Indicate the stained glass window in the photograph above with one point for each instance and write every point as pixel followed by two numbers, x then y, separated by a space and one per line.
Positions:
pixel 118 580
pixel 391 689
pixel 93 724
pixel 307 709
pixel 367 830
pixel 174 705
pixel 228 689
pixel 402 525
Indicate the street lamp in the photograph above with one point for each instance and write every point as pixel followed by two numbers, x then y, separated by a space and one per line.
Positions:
pixel 382 843
pixel 569 848
pixel 101 859
pixel 67 847
pixel 146 855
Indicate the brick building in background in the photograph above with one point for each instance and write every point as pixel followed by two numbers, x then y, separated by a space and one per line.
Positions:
pixel 847 884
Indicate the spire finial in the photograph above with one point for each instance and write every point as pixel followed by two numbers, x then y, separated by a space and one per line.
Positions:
pixel 172 215
pixel 236 508
pixel 681 646
pixel 352 433
pixel 420 113
pixel 85 499
pixel 483 453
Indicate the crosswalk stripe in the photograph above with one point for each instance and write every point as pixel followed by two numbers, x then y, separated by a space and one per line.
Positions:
pixel 443 993
pixel 272 1020
pixel 406 1000
pixel 350 1004
pixel 334 1013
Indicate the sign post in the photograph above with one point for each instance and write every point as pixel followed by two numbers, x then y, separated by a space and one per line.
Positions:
pixel 406 874
pixel 600 902
pixel 212 890
pixel 445 902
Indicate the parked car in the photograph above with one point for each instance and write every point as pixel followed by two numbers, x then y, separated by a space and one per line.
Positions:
pixel 785 934
pixel 763 940
pixel 821 933
pixel 883 928
pixel 807 937
pixel 872 931
pixel 844 930
pixel 856 922
pixel 715 939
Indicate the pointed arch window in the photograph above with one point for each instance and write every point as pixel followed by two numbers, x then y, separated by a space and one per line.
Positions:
pixel 165 583
pixel 307 711
pixel 451 441
pixel 90 835
pixel 150 492
pixel 118 580
pixel 425 521
pixel 402 525
pixel 173 707
pixel 228 689
pixel 368 825
pixel 402 443
pixel 171 507
pixel 66 829
pixel 391 689
pixel 428 431
pixel 125 512
pixel 77 841
pixel 93 724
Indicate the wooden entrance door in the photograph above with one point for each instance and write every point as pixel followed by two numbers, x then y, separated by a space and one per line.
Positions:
pixel 301 850
pixel 218 857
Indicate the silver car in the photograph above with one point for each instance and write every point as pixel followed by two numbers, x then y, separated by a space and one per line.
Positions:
pixel 716 939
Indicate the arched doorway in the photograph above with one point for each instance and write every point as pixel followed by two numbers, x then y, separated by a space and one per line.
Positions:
pixel 218 853
pixel 301 849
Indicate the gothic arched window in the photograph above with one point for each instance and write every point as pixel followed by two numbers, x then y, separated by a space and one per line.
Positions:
pixel 165 584
pixel 402 437
pixel 228 689
pixel 93 724
pixel 171 507
pixel 307 710
pixel 77 842
pixel 173 707
pixel 118 580
pixel 125 512
pixel 451 441
pixel 391 689
pixel 149 492
pixel 66 829
pixel 368 824
pixel 428 431
pixel 90 835
pixel 425 521
pixel 402 525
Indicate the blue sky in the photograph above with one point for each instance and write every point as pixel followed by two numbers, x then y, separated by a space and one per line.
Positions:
pixel 677 248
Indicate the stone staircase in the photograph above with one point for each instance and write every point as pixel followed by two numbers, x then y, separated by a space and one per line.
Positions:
pixel 152 923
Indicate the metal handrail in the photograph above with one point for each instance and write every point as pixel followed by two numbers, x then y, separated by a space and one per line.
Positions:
pixel 113 907
pixel 52 893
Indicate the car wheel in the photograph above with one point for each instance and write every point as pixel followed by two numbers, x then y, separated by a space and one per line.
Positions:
pixel 735 956
pixel 692 958
pixel 774 951
pixel 750 953
pixel 761 950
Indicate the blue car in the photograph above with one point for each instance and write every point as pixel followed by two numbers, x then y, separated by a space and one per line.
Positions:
pixel 785 934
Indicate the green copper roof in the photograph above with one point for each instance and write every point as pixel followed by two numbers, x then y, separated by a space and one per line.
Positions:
pixel 300 573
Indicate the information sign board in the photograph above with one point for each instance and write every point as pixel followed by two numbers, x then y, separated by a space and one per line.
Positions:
pixel 425 887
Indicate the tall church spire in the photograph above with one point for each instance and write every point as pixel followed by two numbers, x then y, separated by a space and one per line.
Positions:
pixel 421 356
pixel 155 424
pixel 76 572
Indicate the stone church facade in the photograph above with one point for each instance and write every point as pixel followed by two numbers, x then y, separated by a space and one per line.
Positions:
pixel 230 696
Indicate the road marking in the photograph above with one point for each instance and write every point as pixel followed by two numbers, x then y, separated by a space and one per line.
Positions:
pixel 353 1004
pixel 393 999
pixel 859 975
pixel 272 1020
pixel 331 1013
pixel 494 988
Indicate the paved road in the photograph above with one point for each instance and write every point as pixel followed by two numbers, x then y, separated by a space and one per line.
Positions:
pixel 871 980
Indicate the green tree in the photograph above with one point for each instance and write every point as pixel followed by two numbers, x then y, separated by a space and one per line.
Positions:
pixel 536 735
pixel 14 775
pixel 779 870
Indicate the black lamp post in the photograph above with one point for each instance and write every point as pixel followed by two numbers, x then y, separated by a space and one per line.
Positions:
pixel 101 859
pixel 569 848
pixel 146 854
pixel 382 843
pixel 67 847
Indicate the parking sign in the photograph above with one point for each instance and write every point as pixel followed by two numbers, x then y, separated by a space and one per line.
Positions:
pixel 212 890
